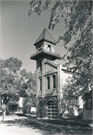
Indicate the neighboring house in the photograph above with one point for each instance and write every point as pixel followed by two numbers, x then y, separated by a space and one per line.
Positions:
pixel 12 107
pixel 87 105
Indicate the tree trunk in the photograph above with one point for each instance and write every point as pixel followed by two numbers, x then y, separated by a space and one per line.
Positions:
pixel 61 114
pixel 3 115
pixel 7 109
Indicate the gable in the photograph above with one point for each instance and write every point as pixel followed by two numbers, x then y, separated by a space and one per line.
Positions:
pixel 49 68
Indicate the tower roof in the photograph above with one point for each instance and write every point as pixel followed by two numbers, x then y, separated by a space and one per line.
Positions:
pixel 45 36
pixel 45 54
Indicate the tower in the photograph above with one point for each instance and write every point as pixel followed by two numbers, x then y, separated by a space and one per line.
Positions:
pixel 48 77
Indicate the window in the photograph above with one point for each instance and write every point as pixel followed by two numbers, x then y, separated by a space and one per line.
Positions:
pixel 40 84
pixel 48 82
pixel 54 81
pixel 40 65
pixel 88 103
pixel 40 47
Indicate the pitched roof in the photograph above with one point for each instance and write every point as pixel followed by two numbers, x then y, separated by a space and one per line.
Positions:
pixel 45 54
pixel 45 36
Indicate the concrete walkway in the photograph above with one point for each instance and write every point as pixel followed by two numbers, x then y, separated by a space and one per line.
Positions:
pixel 8 129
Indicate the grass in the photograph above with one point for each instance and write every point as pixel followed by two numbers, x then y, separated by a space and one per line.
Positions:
pixel 73 126
pixel 53 127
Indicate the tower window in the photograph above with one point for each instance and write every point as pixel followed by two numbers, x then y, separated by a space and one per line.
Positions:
pixel 54 81
pixel 39 47
pixel 88 103
pixel 48 82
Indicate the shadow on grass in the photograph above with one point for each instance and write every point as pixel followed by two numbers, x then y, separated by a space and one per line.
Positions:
pixel 70 122
pixel 51 126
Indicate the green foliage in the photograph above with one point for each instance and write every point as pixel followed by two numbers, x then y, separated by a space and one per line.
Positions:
pixel 11 64
pixel 29 87
pixel 8 84
pixel 37 6
pixel 70 100
pixel 29 80
pixel 14 82
pixel 29 101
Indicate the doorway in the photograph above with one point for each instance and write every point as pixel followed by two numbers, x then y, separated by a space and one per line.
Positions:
pixel 52 109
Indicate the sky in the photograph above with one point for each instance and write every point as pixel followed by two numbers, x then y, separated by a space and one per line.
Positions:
pixel 18 32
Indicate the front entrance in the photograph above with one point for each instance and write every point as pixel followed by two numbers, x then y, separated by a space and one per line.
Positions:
pixel 52 110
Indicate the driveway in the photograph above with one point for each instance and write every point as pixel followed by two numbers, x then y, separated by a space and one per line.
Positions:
pixel 27 125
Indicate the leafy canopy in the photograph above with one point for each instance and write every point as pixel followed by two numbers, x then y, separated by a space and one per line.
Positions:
pixel 14 82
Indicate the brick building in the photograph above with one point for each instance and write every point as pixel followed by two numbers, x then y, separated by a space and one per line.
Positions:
pixel 48 77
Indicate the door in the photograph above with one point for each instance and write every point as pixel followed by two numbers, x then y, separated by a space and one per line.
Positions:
pixel 52 110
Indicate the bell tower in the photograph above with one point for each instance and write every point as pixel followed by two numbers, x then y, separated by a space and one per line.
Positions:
pixel 47 76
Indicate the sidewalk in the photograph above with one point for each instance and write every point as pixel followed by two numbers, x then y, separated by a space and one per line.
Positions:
pixel 6 128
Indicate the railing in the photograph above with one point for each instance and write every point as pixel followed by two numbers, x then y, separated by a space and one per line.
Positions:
pixel 46 51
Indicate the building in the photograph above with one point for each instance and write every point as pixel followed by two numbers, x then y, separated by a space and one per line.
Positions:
pixel 48 77
pixel 88 106
pixel 12 107
pixel 85 110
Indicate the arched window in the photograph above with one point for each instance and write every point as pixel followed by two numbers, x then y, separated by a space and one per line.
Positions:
pixel 54 81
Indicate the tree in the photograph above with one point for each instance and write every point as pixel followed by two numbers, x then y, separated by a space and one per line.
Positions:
pixel 78 27
pixel 70 101
pixel 29 101
pixel 30 87
pixel 12 65
pixel 28 81
pixel 9 76
pixel 15 83
pixel 9 81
